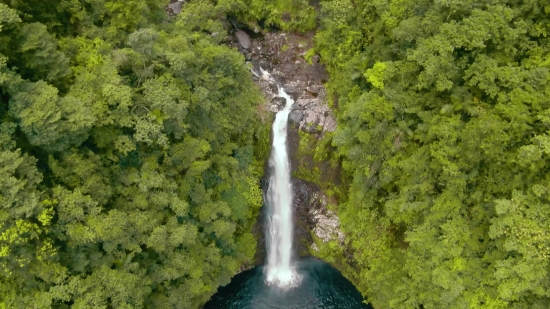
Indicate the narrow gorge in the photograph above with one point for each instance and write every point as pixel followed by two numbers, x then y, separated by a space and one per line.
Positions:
pixel 285 56
pixel 295 210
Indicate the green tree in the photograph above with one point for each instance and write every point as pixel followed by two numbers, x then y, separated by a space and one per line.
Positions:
pixel 128 145
pixel 441 131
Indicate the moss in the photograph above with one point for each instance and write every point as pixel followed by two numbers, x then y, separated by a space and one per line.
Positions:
pixel 308 56
pixel 318 163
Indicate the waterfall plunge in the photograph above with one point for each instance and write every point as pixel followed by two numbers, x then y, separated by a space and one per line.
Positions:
pixel 279 200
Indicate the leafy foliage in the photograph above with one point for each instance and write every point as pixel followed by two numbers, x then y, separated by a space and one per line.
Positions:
pixel 442 129
pixel 286 14
pixel 130 173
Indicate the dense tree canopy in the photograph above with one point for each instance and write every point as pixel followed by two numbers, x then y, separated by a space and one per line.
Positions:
pixel 130 168
pixel 443 131
pixel 131 148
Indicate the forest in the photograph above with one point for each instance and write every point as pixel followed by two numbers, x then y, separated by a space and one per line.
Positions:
pixel 131 149
pixel 132 144
pixel 443 132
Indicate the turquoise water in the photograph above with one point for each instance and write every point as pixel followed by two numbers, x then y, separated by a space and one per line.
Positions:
pixel 322 287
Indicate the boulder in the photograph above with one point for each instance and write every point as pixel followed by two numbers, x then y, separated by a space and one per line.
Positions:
pixel 296 115
pixel 243 38
pixel 315 59
pixel 174 8
pixel 279 101
pixel 291 90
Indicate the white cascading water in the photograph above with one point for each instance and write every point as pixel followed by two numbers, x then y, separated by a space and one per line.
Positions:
pixel 279 200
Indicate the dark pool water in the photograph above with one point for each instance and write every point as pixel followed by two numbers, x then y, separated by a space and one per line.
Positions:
pixel 322 287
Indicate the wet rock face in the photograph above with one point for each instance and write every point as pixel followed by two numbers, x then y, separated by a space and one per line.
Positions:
pixel 311 217
pixel 304 202
pixel 282 54
pixel 296 115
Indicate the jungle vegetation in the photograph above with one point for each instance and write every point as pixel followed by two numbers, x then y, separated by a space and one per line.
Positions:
pixel 130 154
pixel 131 149
pixel 443 132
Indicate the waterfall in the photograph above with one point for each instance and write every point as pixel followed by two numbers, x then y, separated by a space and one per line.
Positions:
pixel 280 271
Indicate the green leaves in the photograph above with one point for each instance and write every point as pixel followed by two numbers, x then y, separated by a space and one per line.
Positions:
pixel 39 55
pixel 143 134
pixel 444 150
pixel 8 15
pixel 49 121
pixel 521 226
pixel 375 76
pixel 105 287
pixel 19 198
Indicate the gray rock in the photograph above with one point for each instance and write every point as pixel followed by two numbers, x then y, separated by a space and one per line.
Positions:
pixel 301 81
pixel 313 90
pixel 305 103
pixel 315 59
pixel 330 124
pixel 243 39
pixel 296 116
pixel 279 101
pixel 275 108
pixel 174 8
pixel 291 90
pixel 327 225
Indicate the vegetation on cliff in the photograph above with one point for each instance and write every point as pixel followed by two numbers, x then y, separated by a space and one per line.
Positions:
pixel 128 156
pixel 443 131
pixel 286 14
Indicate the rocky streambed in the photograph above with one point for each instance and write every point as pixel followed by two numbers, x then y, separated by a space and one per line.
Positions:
pixel 289 59
pixel 284 56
